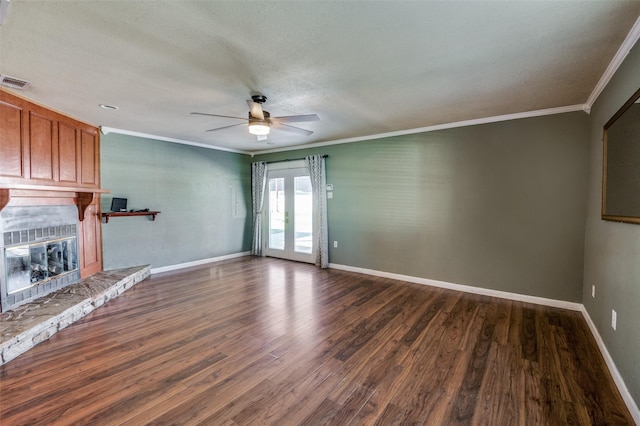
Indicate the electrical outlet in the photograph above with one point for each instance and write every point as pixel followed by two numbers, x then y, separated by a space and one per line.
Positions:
pixel 593 291
pixel 335 244
pixel 614 319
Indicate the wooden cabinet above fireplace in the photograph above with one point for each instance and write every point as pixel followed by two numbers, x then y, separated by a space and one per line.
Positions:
pixel 48 158
pixel 42 147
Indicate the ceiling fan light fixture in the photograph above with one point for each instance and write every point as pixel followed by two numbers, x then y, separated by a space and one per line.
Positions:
pixel 259 121
pixel 259 129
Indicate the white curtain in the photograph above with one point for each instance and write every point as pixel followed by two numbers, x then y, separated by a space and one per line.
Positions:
pixel 258 183
pixel 317 173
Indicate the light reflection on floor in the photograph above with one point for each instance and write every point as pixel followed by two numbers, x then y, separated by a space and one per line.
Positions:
pixel 292 305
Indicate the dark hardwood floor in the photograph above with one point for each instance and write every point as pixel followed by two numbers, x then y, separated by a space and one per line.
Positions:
pixel 264 341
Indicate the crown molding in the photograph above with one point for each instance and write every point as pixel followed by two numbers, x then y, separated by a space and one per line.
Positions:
pixel 615 63
pixel 475 122
pixel 105 130
pixel 465 123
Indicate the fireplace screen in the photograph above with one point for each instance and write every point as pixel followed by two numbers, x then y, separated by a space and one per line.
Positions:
pixel 35 263
pixel 38 252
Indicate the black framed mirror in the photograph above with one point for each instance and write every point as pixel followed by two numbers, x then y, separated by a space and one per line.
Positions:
pixel 621 164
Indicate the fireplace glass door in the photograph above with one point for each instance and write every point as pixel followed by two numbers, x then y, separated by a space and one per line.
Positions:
pixel 18 268
pixel 32 264
pixel 38 252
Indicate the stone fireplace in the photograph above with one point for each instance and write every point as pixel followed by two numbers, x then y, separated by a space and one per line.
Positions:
pixel 38 252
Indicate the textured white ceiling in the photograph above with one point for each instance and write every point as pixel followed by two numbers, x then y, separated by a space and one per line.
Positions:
pixel 364 67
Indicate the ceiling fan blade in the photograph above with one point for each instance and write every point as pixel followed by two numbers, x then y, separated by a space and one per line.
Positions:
pixel 256 110
pixel 292 129
pixel 295 118
pixel 218 115
pixel 226 127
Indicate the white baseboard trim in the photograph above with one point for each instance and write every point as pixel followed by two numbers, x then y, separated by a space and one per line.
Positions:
pixel 198 262
pixel 617 377
pixel 465 288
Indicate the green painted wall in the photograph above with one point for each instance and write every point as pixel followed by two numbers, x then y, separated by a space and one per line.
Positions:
pixel 498 206
pixel 612 250
pixel 203 194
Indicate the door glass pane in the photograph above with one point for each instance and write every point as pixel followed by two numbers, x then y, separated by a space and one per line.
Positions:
pixel 276 213
pixel 303 220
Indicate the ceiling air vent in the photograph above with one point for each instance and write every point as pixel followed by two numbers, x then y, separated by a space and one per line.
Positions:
pixel 14 83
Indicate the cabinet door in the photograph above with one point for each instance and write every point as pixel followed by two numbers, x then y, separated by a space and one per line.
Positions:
pixel 90 149
pixel 42 141
pixel 12 142
pixel 90 240
pixel 68 153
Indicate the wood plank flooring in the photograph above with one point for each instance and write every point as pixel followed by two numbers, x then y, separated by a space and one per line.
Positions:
pixel 264 341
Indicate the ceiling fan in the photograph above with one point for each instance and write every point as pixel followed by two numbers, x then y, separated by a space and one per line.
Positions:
pixel 260 121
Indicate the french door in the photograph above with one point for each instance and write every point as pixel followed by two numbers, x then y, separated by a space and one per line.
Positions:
pixel 289 230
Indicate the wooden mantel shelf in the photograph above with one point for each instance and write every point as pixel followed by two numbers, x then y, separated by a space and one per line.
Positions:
pixel 15 186
pixel 107 215
pixel 48 194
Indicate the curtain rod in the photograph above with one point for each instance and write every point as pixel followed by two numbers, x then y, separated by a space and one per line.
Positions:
pixel 292 159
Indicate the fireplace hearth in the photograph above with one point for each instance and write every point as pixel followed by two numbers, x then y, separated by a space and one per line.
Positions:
pixel 39 252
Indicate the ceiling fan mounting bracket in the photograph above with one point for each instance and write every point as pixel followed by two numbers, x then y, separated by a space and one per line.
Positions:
pixel 259 99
